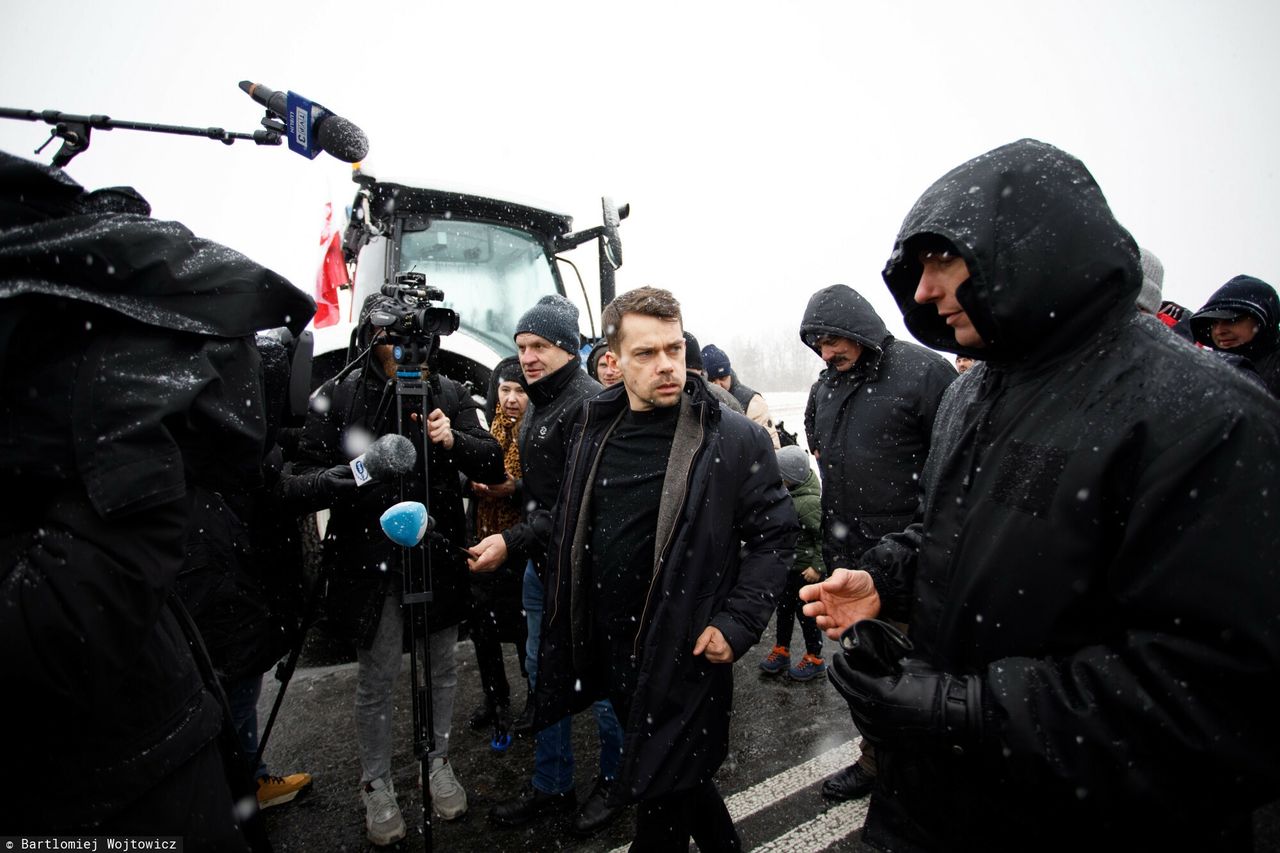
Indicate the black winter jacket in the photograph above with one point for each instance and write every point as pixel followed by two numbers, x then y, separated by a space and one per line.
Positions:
pixel 869 425
pixel 1245 294
pixel 726 534
pixel 1098 543
pixel 365 565
pixel 554 403
pixel 127 378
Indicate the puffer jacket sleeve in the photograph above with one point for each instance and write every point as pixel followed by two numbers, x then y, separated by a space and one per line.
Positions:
pixel 299 489
pixel 1118 722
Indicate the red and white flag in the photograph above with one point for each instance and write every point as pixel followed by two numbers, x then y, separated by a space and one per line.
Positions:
pixel 332 273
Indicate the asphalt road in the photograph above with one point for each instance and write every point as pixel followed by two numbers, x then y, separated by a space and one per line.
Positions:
pixel 786 738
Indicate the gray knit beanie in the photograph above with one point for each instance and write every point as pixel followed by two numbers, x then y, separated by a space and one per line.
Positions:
pixel 1149 297
pixel 554 318
pixel 793 462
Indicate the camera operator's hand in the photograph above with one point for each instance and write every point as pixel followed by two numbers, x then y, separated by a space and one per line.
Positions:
pixel 336 481
pixel 439 429
pixel 488 554
pixel 841 600
pixel 915 701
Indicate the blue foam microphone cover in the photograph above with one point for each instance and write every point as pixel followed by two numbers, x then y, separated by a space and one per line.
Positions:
pixel 405 523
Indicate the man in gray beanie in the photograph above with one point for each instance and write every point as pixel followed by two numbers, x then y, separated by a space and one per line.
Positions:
pixel 554 319
pixel 547 340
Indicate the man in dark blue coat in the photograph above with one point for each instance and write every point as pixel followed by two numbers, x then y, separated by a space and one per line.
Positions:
pixel 1093 658
pixel 673 534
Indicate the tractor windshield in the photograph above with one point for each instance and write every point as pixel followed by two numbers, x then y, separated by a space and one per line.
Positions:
pixel 490 274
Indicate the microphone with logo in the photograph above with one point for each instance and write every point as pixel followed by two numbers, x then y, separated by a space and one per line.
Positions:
pixel 310 127
pixel 385 459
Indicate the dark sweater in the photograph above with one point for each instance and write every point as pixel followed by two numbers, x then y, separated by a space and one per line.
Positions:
pixel 624 522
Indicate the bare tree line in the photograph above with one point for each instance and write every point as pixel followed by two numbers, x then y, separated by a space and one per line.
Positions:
pixel 772 361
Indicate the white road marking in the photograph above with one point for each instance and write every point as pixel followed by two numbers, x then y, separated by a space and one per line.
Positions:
pixel 826 827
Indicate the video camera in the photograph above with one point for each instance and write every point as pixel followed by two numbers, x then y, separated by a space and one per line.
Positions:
pixel 413 324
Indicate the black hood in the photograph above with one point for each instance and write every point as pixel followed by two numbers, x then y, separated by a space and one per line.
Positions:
pixel 841 311
pixel 103 248
pixel 1048 262
pixel 1244 294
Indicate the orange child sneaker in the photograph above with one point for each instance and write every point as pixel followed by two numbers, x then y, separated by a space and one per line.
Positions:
pixel 778 660
pixel 278 790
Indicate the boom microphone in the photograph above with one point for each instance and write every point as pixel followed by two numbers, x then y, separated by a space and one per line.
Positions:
pixel 311 127
pixel 386 458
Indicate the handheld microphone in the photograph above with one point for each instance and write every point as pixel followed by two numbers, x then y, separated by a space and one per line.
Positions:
pixel 388 457
pixel 406 523
pixel 311 127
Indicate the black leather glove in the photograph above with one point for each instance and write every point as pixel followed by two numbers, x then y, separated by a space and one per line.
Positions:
pixel 336 480
pixel 906 698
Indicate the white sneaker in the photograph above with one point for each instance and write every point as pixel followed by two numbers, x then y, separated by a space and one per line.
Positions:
pixel 447 797
pixel 382 819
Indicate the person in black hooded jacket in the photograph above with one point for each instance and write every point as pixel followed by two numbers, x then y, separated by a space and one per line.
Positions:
pixel 1093 658
pixel 365 586
pixel 128 381
pixel 1243 318
pixel 868 420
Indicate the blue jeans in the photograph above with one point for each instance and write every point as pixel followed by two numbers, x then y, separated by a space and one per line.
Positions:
pixel 243 697
pixel 553 755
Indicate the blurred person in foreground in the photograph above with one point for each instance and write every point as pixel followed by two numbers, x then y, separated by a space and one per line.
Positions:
pixel 128 381
pixel 1091 593
pixel 672 541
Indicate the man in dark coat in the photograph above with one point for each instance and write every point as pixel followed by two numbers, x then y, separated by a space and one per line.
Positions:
pixel 1243 318
pixel 673 536
pixel 546 338
pixel 719 372
pixel 366 583
pixel 869 419
pixel 1091 598
pixel 128 380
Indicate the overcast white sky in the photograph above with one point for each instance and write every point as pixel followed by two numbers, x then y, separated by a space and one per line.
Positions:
pixel 767 149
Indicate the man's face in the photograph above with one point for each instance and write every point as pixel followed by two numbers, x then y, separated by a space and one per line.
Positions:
pixel 607 369
pixel 539 357
pixel 512 399
pixel 963 363
pixel 942 272
pixel 840 353
pixel 724 382
pixel 1233 332
pixel 651 358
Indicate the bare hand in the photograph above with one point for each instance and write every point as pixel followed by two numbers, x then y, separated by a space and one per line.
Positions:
pixel 811 575
pixel 439 429
pixel 488 554
pixel 713 643
pixel 846 597
pixel 504 489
